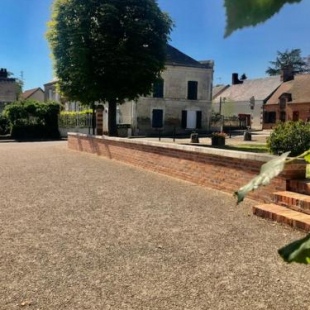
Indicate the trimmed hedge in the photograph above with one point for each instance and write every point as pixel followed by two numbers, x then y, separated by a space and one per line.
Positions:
pixel 33 120
pixel 34 132
pixel 290 136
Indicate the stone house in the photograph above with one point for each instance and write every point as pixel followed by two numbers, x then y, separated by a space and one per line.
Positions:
pixel 9 89
pixel 50 91
pixel 51 94
pixel 35 93
pixel 245 100
pixel 180 101
pixel 290 102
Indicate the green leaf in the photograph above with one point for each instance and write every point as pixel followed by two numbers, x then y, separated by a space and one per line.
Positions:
pixel 307 158
pixel 268 171
pixel 245 13
pixel 297 251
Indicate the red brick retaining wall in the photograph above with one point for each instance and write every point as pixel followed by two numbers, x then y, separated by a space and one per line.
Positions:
pixel 213 168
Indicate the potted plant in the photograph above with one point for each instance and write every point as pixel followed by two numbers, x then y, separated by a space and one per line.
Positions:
pixel 218 138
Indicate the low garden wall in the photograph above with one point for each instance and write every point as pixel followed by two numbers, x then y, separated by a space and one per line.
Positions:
pixel 219 169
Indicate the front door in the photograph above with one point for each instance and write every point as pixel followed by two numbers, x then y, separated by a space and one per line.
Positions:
pixel 191 119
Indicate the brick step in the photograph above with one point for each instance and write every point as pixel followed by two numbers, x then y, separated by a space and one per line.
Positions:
pixel 283 215
pixel 295 201
pixel 299 186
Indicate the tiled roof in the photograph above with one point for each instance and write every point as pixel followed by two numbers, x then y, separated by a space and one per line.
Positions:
pixel 218 90
pixel 299 88
pixel 261 89
pixel 177 58
pixel 28 93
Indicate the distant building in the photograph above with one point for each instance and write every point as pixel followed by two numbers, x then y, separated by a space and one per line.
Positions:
pixel 290 102
pixel 35 93
pixel 51 94
pixel 9 89
pixel 246 99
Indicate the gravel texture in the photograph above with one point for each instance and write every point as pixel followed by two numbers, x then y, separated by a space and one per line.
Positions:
pixel 83 232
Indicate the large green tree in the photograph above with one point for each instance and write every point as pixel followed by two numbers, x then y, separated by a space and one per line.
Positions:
pixel 108 50
pixel 289 58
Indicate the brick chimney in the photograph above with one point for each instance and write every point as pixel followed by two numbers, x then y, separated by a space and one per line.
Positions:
pixel 287 73
pixel 235 79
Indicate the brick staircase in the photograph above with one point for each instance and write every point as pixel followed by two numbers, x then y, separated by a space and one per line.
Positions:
pixel 291 207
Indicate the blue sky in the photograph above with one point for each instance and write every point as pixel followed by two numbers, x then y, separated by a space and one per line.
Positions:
pixel 199 32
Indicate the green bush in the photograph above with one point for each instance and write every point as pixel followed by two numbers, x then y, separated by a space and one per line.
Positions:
pixel 31 120
pixel 4 125
pixel 33 132
pixel 290 136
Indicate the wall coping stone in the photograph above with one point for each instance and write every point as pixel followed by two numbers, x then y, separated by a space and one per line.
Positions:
pixel 182 147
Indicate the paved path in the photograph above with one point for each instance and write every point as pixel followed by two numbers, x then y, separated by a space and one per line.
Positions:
pixel 82 232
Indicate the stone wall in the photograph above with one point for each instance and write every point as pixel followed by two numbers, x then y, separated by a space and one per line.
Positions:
pixel 213 168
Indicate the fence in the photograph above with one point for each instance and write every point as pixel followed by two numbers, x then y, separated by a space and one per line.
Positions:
pixel 76 122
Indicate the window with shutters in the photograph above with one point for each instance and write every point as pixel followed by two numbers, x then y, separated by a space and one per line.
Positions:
pixel 192 90
pixel 158 89
pixel 157 118
pixel 191 119
pixel 269 117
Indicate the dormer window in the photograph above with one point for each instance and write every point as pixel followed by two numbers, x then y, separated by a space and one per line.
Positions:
pixel 284 99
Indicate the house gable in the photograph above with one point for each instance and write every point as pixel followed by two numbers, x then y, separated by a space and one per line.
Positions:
pixel 298 89
pixel 35 93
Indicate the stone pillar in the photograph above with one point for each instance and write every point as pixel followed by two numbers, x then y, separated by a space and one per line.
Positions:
pixel 99 120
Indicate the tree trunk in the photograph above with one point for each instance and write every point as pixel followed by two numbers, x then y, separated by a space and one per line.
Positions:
pixel 112 118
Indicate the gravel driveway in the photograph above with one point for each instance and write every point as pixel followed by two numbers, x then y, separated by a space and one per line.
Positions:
pixel 82 232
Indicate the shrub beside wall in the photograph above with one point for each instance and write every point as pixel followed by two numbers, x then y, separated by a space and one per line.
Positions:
pixel 290 136
pixel 31 120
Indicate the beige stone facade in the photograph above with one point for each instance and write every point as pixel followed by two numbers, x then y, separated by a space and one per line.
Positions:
pixel 182 105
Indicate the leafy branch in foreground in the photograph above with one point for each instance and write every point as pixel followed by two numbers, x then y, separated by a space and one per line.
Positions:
pixel 299 250
pixel 268 171
pixel 245 13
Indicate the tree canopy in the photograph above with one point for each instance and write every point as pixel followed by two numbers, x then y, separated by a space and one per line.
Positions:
pixel 288 58
pixel 108 50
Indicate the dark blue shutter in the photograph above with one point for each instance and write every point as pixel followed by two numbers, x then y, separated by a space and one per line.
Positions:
pixel 157 118
pixel 184 119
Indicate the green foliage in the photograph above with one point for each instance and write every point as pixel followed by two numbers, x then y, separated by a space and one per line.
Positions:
pixel 31 119
pixel 4 125
pixel 288 59
pixel 22 132
pixel 290 136
pixel 268 171
pixel 108 50
pixel 297 251
pixel 81 119
pixel 245 13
